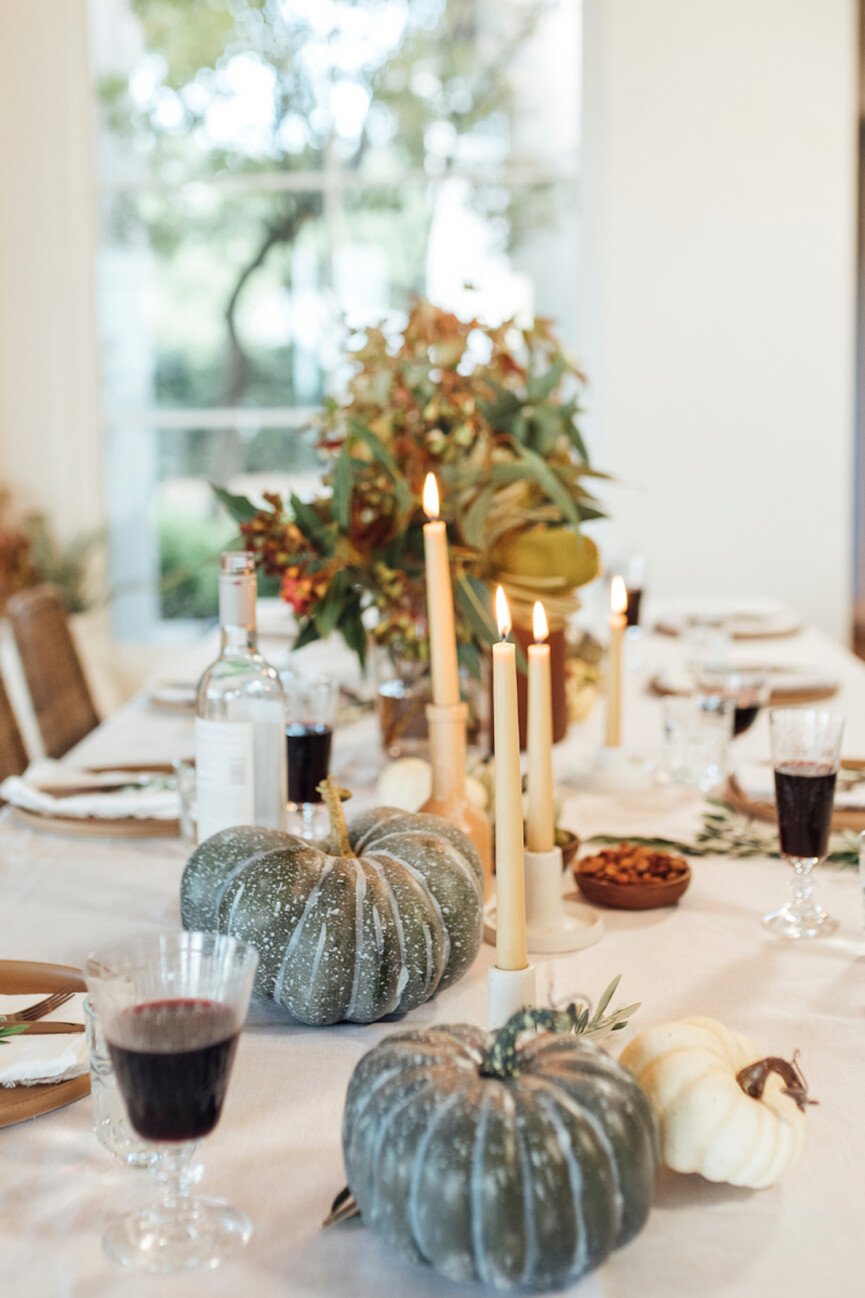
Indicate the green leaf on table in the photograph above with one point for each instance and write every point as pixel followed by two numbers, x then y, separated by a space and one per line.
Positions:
pixel 549 483
pixel 307 634
pixel 544 385
pixel 241 508
pixel 13 1030
pixel 343 481
pixel 380 452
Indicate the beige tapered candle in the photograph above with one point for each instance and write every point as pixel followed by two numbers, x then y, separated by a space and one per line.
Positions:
pixel 540 818
pixel 439 602
pixel 618 622
pixel 511 949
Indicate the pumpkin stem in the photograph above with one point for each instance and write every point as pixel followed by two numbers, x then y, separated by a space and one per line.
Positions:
pixel 334 796
pixel 753 1078
pixel 501 1058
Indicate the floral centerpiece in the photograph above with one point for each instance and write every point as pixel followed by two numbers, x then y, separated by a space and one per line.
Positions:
pixel 493 412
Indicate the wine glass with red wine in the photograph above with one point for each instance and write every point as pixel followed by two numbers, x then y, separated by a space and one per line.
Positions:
pixel 310 714
pixel 806 750
pixel 171 1008
pixel 748 690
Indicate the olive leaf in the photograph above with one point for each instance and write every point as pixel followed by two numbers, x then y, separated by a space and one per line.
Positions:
pixel 13 1030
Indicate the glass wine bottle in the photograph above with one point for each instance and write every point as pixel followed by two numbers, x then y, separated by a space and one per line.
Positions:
pixel 240 717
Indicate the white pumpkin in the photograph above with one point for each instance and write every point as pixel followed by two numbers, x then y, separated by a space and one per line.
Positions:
pixel 407 784
pixel 695 1073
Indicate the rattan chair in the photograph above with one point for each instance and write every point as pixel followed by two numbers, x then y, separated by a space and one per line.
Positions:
pixel 13 754
pixel 59 692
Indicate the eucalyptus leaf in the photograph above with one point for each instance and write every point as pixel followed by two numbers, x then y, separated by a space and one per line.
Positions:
pixel 240 508
pixel 549 483
pixel 343 479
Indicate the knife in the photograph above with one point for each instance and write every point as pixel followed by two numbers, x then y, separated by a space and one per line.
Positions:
pixel 43 1027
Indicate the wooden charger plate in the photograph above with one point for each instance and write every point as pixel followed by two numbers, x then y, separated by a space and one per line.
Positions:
pixel 17 1103
pixel 100 826
pixel 778 698
pixel 842 817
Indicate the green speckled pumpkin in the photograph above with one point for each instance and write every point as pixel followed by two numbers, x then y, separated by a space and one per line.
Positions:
pixel 515 1167
pixel 372 929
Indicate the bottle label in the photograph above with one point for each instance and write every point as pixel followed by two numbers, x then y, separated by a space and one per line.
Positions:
pixel 224 775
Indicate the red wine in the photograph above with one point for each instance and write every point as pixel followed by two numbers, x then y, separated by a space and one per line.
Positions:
pixel 744 716
pixel 172 1059
pixel 308 747
pixel 804 793
pixel 632 612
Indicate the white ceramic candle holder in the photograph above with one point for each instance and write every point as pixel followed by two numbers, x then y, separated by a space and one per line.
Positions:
pixel 615 770
pixel 509 990
pixel 554 925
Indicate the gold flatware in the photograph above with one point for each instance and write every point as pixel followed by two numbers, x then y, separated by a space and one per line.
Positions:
pixel 40 1008
pixel 42 1029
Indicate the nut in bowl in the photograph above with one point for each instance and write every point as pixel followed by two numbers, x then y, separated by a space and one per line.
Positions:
pixel 632 877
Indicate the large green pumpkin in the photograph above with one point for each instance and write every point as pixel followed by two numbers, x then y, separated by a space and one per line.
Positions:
pixel 372 929
pixel 515 1167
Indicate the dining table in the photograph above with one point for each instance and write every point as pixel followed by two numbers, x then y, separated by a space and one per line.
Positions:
pixel 277 1153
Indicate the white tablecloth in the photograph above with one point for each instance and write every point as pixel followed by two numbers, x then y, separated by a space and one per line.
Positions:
pixel 277 1150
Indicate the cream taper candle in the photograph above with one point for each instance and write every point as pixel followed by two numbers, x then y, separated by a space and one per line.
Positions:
pixel 511 950
pixel 439 602
pixel 540 818
pixel 618 622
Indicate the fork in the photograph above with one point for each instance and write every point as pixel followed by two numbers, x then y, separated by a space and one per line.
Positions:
pixel 41 1008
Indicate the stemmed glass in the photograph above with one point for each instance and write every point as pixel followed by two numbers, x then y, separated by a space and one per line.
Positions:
pixel 748 690
pixel 806 750
pixel 171 1008
pixel 310 714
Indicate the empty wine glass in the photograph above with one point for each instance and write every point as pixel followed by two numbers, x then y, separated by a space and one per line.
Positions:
pixel 310 714
pixel 171 1008
pixel 806 749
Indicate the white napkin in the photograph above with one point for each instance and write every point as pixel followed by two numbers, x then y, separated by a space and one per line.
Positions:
pixel 757 780
pixel 149 801
pixel 26 1060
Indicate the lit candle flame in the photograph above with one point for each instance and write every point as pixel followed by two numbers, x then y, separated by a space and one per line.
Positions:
pixel 503 613
pixel 431 497
pixel 618 595
pixel 540 626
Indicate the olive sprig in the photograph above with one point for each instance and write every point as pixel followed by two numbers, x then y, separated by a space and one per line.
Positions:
pixel 726 832
pixel 14 1030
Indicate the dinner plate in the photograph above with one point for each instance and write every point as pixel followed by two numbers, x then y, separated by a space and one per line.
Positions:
pixel 789 685
pixel 18 1103
pixel 747 624
pixel 852 818
pixel 173 696
pixel 102 826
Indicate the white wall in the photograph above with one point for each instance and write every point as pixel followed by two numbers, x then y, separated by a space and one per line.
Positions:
pixel 719 280
pixel 50 435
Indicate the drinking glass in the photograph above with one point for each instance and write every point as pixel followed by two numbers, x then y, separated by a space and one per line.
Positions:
pixel 806 748
pixel 697 732
pixel 172 1007
pixel 310 714
pixel 110 1122
pixel 706 642
pixel 632 569
pixel 748 690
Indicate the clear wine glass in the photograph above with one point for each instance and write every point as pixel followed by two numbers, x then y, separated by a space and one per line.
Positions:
pixel 806 750
pixel 171 1008
pixel 310 715
pixel 748 690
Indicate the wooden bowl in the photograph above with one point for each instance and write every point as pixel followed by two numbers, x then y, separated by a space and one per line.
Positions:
pixel 631 896
pixel 569 847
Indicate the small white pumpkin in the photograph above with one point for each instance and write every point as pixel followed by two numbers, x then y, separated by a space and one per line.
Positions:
pixel 722 1110
pixel 407 784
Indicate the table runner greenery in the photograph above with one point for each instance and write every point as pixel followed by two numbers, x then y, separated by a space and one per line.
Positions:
pixel 726 832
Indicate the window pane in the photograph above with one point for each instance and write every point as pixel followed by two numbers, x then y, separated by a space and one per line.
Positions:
pixel 213 300
pixel 167 528
pixel 491 250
